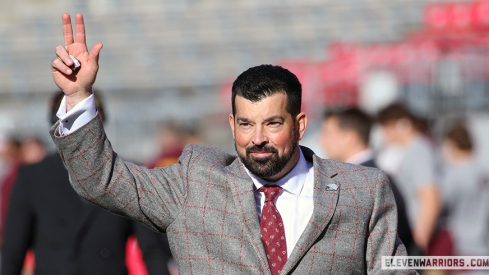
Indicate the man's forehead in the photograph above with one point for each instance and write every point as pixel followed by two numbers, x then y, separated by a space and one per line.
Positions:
pixel 389 123
pixel 332 123
pixel 274 104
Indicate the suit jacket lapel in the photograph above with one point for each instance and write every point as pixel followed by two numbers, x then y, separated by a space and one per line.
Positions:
pixel 243 194
pixel 325 200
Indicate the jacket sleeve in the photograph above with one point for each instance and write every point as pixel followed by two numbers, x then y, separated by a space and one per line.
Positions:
pixel 18 226
pixel 382 238
pixel 151 196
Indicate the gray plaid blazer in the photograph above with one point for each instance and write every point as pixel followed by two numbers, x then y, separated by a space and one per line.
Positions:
pixel 205 204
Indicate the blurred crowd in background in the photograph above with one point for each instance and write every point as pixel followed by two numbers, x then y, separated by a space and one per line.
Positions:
pixel 400 85
pixel 441 187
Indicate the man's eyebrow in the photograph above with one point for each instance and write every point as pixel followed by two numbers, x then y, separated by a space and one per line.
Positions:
pixel 268 119
pixel 275 118
pixel 242 119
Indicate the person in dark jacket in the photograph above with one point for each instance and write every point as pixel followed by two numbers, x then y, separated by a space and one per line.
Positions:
pixel 68 234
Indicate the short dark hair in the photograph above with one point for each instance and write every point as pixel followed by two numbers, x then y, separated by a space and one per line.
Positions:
pixel 394 112
pixel 261 81
pixel 397 111
pixel 57 97
pixel 353 119
pixel 460 136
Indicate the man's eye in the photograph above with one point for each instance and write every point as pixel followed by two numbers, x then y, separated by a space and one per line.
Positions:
pixel 274 124
pixel 244 125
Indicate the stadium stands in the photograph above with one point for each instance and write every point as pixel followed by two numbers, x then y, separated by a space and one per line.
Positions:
pixel 157 53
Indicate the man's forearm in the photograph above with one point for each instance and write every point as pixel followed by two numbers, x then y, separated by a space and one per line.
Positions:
pixel 428 217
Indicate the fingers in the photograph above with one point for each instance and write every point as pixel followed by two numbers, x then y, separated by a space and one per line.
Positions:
pixel 58 65
pixel 94 52
pixel 79 29
pixel 67 29
pixel 63 55
pixel 63 61
pixel 75 46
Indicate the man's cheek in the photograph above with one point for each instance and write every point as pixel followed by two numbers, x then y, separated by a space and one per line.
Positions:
pixel 241 142
pixel 281 141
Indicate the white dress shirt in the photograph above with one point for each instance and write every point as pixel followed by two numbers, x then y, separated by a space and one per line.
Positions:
pixel 361 157
pixel 296 202
pixel 80 115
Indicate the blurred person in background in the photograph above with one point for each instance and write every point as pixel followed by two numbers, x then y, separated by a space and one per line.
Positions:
pixel 12 161
pixel 345 136
pixel 171 141
pixel 28 151
pixel 415 175
pixel 465 190
pixel 32 150
pixel 67 234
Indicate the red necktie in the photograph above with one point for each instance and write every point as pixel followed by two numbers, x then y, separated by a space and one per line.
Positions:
pixel 272 230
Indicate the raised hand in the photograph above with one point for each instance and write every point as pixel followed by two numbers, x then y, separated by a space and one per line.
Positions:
pixel 77 83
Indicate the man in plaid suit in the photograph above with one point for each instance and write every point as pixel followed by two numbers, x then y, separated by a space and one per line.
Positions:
pixel 339 218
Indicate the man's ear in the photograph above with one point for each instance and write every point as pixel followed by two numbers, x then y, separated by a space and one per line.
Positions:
pixel 301 121
pixel 231 123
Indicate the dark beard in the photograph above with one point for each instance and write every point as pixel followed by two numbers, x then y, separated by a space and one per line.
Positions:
pixel 268 166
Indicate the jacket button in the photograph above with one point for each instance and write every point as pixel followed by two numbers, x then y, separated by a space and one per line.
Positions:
pixel 105 252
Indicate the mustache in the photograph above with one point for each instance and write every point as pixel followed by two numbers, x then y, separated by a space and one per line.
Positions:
pixel 261 149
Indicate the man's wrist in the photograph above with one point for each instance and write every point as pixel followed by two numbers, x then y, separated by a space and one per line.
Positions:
pixel 73 99
pixel 78 116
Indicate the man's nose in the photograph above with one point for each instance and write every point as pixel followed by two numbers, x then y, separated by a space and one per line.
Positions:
pixel 259 136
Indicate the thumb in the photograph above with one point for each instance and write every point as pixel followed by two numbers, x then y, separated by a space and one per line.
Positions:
pixel 94 52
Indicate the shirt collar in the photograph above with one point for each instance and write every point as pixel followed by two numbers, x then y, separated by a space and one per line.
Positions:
pixel 361 157
pixel 292 182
